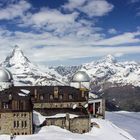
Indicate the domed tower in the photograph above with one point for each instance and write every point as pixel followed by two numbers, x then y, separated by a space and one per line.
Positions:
pixel 6 79
pixel 80 80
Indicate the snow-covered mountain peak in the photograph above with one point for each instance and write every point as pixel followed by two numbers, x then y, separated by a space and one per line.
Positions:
pixel 109 58
pixel 25 72
pixel 17 58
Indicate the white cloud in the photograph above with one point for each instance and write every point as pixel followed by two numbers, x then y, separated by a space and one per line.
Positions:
pixel 120 39
pixel 134 1
pixel 48 16
pixel 90 7
pixel 118 54
pixel 56 22
pixel 56 48
pixel 97 8
pixel 14 10
pixel 64 36
pixel 72 4
pixel 112 31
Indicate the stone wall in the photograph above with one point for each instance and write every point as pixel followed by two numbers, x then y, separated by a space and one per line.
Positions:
pixel 80 125
pixel 76 125
pixel 18 123
pixel 58 105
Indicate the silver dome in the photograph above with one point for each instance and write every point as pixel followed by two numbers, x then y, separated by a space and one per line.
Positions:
pixel 5 75
pixel 80 76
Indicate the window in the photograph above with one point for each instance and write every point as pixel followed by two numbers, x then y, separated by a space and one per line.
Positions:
pixel 17 124
pixel 61 97
pixel 5 105
pixel 20 105
pixel 70 96
pixel 56 92
pixel 83 94
pixel 25 123
pixel 41 97
pixel 22 124
pixel 14 124
pixel 0 115
pixel 24 115
pixel 51 97
pixel 35 94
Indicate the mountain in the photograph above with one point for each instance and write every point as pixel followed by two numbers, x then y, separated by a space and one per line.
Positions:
pixel 65 71
pixel 26 73
pixel 109 72
pixel 117 82
pixel 105 72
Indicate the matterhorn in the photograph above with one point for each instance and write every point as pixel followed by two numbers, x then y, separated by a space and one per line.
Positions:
pixel 26 73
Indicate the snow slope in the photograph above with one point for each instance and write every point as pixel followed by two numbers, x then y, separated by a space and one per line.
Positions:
pixel 128 121
pixel 106 131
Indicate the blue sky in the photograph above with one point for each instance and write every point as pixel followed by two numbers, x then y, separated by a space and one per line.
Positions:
pixel 70 32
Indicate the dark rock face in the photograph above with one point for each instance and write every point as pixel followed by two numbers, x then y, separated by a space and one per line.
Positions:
pixel 122 98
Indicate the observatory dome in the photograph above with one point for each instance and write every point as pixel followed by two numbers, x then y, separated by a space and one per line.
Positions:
pixel 5 75
pixel 80 76
pixel 6 79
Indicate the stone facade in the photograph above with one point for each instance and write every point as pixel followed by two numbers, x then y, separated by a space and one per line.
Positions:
pixel 80 124
pixel 16 109
pixel 58 105
pixel 18 123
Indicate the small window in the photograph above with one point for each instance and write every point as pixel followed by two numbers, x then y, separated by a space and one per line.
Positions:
pixel 5 105
pixel 51 97
pixel 83 94
pixel 25 133
pixel 25 115
pixel 41 97
pixel 0 115
pixel 14 124
pixel 25 123
pixel 70 97
pixel 17 124
pixel 35 94
pixel 55 89
pixel 22 133
pixel 22 124
pixel 60 97
pixel 56 92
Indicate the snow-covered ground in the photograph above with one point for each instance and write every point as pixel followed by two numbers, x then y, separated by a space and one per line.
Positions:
pixel 106 131
pixel 128 121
